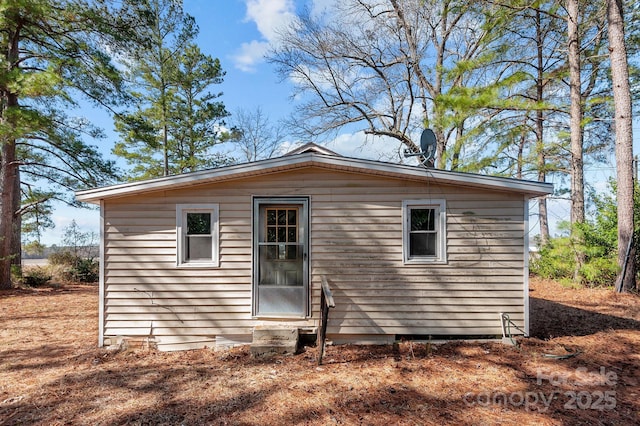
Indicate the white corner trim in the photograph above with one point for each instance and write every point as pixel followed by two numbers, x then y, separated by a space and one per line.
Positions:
pixel 101 290
pixel 526 267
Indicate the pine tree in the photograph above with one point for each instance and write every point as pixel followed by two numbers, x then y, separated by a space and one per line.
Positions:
pixel 52 52
pixel 624 144
pixel 175 120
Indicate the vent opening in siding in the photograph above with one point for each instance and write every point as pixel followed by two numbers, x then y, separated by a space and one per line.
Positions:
pixel 445 337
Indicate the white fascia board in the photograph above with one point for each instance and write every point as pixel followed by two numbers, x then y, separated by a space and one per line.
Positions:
pixel 188 179
pixel 532 189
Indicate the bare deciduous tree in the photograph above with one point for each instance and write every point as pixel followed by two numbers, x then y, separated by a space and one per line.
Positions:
pixel 254 135
pixel 393 67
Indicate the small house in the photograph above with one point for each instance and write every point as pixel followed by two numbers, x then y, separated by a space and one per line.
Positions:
pixel 204 258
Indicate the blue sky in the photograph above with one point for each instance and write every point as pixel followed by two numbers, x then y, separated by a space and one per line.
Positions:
pixel 239 33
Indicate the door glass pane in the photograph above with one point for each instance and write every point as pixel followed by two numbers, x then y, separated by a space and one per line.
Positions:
pixel 282 217
pixel 271 217
pixel 271 252
pixel 292 235
pixel 292 217
pixel 271 234
pixel 280 265
pixel 292 251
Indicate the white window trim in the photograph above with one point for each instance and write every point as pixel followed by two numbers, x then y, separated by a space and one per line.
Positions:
pixel 441 247
pixel 181 212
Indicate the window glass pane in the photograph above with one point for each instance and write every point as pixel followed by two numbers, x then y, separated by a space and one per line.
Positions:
pixel 422 219
pixel 292 217
pixel 198 223
pixel 422 244
pixel 282 217
pixel 198 248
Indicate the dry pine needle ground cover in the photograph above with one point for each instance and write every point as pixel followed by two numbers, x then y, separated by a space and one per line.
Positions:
pixel 51 372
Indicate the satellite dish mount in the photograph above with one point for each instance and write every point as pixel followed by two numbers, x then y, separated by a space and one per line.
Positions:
pixel 427 152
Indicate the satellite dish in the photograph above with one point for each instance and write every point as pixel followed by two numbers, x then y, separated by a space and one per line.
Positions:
pixel 428 144
pixel 427 152
pixel 427 149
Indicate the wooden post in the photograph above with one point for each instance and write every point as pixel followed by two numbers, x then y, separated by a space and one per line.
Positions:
pixel 326 302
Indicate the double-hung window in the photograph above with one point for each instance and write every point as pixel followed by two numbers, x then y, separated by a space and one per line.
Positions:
pixel 424 231
pixel 197 234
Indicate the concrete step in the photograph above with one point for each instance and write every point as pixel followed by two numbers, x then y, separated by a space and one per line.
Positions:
pixel 269 341
pixel 273 333
pixel 264 350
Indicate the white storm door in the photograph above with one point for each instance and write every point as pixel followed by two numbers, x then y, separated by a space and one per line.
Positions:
pixel 280 256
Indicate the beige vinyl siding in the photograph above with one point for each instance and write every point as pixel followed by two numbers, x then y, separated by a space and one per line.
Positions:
pixel 146 294
pixel 356 242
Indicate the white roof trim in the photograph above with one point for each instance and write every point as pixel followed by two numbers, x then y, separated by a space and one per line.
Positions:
pixel 308 159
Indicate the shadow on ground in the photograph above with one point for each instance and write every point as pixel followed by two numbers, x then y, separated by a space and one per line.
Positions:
pixel 552 319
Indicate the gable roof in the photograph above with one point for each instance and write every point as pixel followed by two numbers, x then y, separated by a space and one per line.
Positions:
pixel 312 158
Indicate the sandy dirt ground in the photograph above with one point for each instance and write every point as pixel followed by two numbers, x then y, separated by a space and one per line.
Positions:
pixel 581 366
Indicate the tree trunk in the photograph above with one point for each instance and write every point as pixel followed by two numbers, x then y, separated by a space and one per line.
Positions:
pixel 9 177
pixel 438 113
pixel 577 170
pixel 457 148
pixel 624 144
pixel 539 130
pixel 16 240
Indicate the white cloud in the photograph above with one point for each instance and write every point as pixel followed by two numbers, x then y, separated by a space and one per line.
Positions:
pixel 361 145
pixel 322 6
pixel 357 145
pixel 250 55
pixel 268 16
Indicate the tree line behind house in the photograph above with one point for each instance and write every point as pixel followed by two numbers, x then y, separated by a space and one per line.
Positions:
pixel 515 89
pixel 76 259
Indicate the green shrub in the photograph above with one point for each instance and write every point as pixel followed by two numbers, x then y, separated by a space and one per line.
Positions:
pixel 600 271
pixel 596 239
pixel 555 260
pixel 36 277
pixel 85 270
